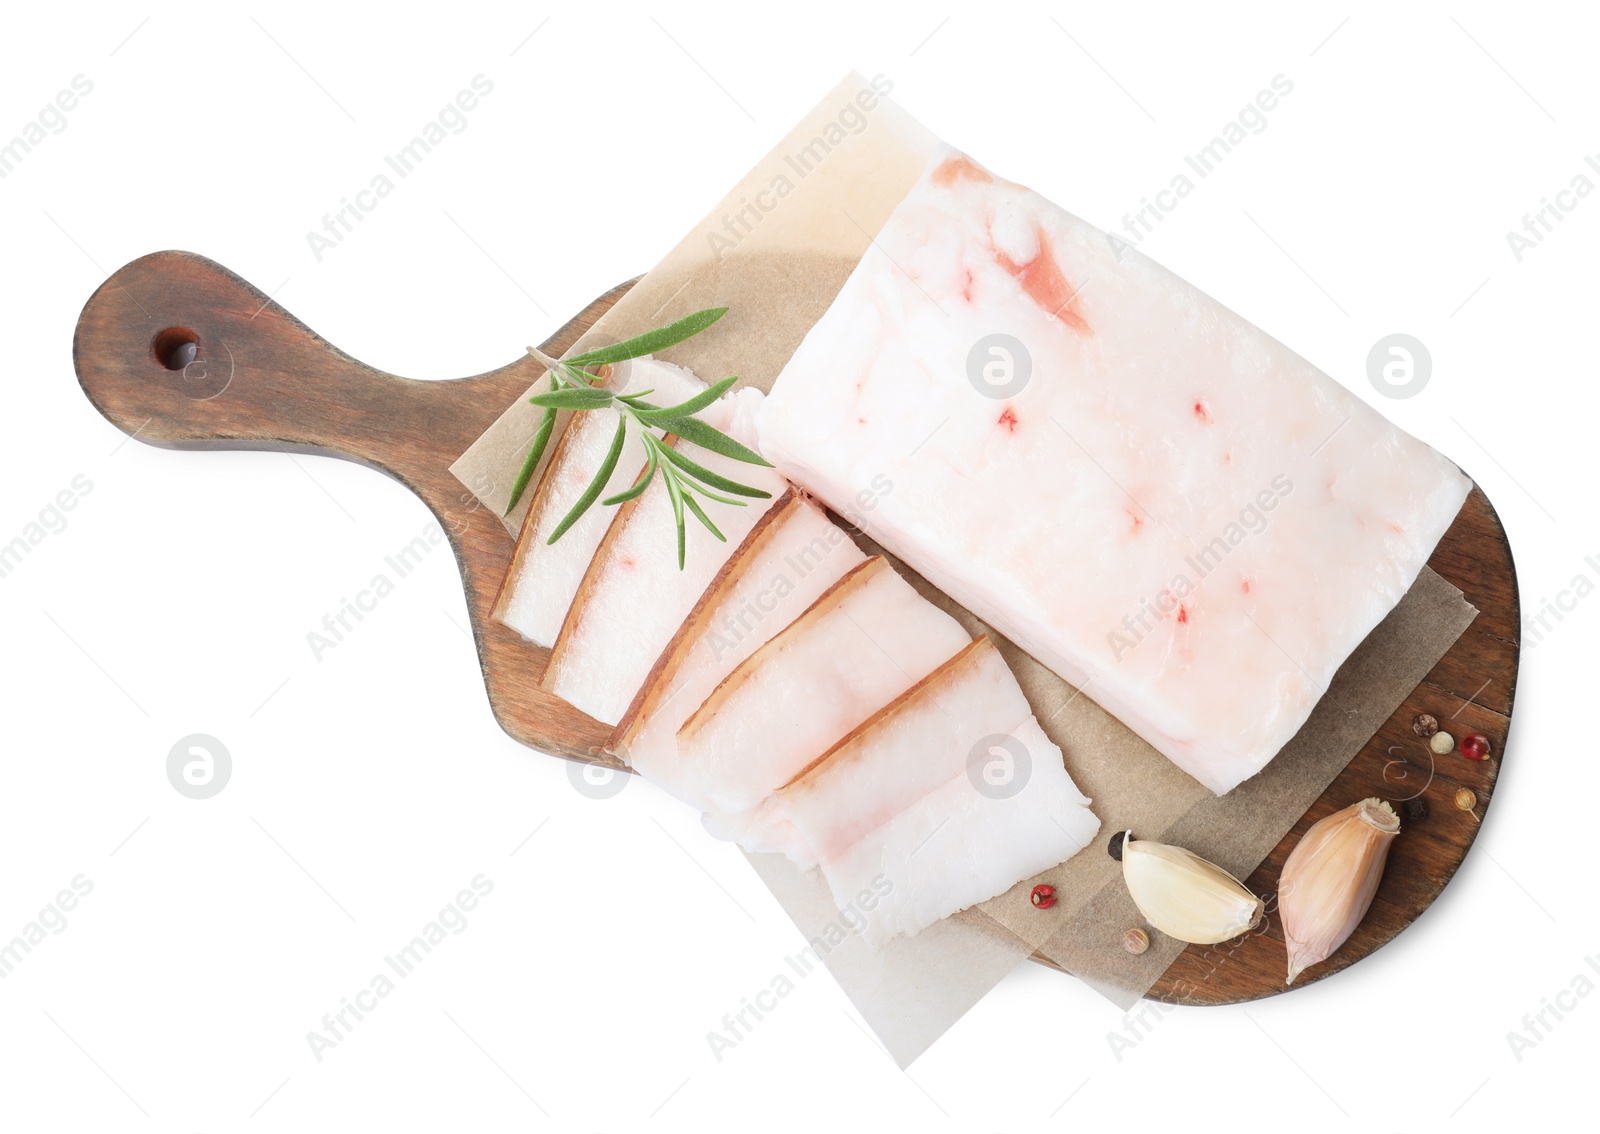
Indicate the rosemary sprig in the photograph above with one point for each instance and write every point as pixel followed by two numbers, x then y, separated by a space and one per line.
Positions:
pixel 572 388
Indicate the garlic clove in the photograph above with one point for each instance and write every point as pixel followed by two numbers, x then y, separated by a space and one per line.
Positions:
pixel 1330 878
pixel 1186 897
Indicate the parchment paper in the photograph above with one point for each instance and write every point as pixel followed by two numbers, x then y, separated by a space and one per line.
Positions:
pixel 776 251
pixel 912 989
pixel 1134 786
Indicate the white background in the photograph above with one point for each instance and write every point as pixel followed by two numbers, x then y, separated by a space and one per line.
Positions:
pixel 370 786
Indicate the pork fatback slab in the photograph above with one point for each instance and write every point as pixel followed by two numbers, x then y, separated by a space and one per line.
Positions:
pixel 1156 499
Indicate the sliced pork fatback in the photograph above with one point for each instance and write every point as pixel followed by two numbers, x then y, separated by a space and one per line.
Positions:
pixel 945 798
pixel 633 596
pixel 538 590
pixel 788 560
pixel 1157 500
pixel 763 829
pixel 864 642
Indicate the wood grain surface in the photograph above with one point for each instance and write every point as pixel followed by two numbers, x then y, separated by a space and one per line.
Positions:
pixel 257 378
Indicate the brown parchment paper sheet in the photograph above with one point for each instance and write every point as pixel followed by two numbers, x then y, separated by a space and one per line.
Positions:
pixel 776 251
pixel 910 990
pixel 1134 786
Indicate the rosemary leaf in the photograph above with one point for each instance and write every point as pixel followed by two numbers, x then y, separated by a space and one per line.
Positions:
pixel 715 480
pixel 541 438
pixel 717 496
pixel 693 406
pixel 579 377
pixel 675 494
pixel 694 506
pixel 650 341
pixel 639 485
pixel 575 398
pixel 597 485
pixel 694 430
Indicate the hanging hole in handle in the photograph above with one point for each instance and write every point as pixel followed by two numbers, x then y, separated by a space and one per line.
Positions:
pixel 176 347
pixel 198 376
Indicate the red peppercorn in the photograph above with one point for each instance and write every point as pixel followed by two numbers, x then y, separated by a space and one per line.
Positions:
pixel 1043 897
pixel 1475 747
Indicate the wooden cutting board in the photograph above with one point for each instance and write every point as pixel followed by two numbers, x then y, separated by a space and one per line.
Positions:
pixel 181 353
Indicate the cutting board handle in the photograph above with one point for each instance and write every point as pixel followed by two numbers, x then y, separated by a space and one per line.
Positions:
pixel 178 351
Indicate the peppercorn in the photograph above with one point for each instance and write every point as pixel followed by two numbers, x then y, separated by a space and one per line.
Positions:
pixel 1425 725
pixel 1043 897
pixel 1415 810
pixel 1475 747
pixel 1442 743
pixel 1465 799
pixel 1135 941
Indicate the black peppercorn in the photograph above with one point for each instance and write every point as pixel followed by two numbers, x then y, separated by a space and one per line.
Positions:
pixel 1114 848
pixel 1415 809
